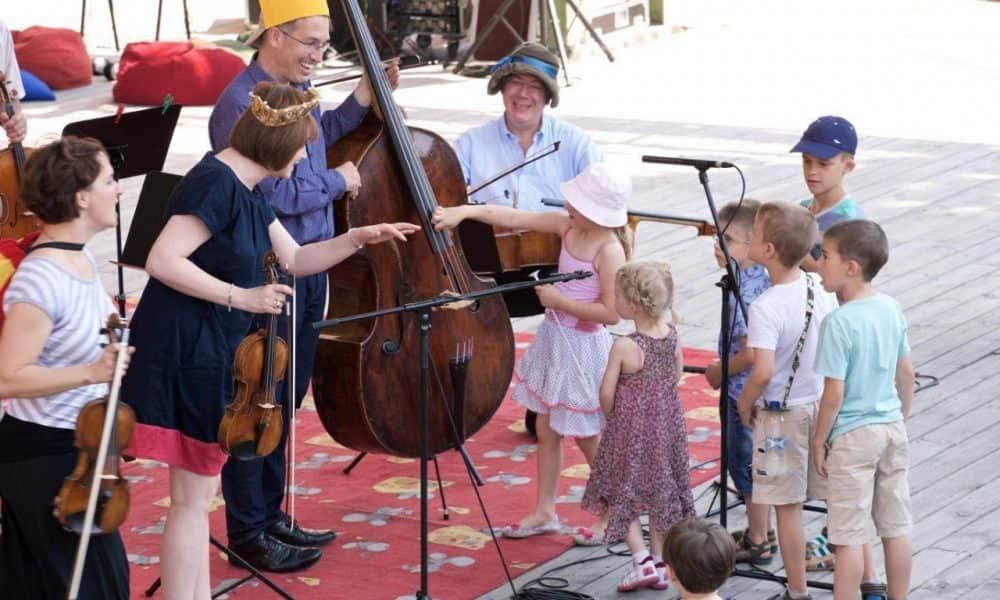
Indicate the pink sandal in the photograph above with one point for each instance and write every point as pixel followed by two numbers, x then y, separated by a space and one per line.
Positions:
pixel 516 531
pixel 585 536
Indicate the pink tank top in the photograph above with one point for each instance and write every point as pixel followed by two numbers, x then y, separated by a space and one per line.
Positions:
pixel 581 290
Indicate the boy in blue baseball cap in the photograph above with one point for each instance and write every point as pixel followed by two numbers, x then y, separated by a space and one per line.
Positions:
pixel 828 147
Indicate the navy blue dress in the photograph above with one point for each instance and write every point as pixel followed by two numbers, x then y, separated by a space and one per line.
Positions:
pixel 180 378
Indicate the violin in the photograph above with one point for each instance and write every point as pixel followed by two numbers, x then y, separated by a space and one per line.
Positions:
pixel 251 427
pixel 94 498
pixel 15 220
pixel 103 428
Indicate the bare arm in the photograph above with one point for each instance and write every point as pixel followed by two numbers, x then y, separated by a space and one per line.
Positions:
pixel 760 376
pixel 319 256
pixel 623 358
pixel 25 331
pixel 905 384
pixel 169 262
pixel 739 362
pixel 829 407
pixel 501 216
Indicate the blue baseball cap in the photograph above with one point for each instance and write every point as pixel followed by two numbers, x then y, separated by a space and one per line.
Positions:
pixel 827 137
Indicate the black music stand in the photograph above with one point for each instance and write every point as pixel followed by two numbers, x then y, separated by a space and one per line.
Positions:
pixel 730 282
pixel 423 309
pixel 137 143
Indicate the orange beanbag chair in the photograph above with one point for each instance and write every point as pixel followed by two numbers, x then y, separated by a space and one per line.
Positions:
pixel 56 56
pixel 192 75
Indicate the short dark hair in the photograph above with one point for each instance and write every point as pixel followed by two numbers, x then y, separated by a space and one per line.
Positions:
pixel 740 214
pixel 54 173
pixel 863 241
pixel 701 554
pixel 790 228
pixel 273 147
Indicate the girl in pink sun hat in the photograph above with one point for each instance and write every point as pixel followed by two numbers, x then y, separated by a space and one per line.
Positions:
pixel 560 373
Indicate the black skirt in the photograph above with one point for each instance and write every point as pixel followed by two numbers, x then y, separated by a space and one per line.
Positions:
pixel 36 553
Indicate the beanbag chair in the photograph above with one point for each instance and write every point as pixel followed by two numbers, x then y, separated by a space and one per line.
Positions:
pixel 56 56
pixel 35 88
pixel 192 75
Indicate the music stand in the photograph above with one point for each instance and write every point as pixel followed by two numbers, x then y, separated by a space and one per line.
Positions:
pixel 149 218
pixel 422 309
pixel 137 143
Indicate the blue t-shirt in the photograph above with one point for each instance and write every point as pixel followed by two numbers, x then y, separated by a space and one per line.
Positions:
pixel 845 210
pixel 753 282
pixel 860 344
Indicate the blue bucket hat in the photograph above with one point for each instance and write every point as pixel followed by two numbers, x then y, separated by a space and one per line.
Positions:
pixel 827 137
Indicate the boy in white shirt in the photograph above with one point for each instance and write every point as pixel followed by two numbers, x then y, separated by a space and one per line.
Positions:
pixel 783 332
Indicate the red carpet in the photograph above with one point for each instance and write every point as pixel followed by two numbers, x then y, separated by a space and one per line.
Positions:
pixel 376 512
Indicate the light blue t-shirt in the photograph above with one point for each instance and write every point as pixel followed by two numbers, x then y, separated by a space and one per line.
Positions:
pixel 487 150
pixel 860 344
pixel 845 210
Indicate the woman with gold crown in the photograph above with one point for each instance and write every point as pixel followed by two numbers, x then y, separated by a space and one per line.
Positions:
pixel 206 283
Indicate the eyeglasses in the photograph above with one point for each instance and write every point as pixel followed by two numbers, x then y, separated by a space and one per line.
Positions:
pixel 730 240
pixel 316 46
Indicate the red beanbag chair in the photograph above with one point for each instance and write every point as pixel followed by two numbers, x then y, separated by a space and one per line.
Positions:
pixel 193 76
pixel 56 56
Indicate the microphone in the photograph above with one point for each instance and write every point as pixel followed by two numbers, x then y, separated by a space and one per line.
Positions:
pixel 697 163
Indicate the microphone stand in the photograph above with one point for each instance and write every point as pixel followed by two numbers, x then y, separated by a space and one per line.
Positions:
pixel 729 283
pixel 422 309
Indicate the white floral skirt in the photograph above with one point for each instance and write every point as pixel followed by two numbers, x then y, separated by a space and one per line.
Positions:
pixel 560 374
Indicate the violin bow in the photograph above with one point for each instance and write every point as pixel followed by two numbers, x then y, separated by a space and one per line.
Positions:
pixel 110 420
pixel 553 148
pixel 290 401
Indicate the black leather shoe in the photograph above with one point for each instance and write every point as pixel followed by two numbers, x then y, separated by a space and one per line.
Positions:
pixel 265 553
pixel 292 534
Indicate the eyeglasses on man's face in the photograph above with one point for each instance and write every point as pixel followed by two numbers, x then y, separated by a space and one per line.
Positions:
pixel 315 45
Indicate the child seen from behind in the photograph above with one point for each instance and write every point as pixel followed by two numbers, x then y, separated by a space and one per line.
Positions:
pixel 699 555
pixel 642 461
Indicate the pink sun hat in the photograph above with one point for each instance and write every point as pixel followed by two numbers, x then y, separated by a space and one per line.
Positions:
pixel 599 193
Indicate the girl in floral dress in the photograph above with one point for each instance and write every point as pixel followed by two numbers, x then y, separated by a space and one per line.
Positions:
pixel 642 461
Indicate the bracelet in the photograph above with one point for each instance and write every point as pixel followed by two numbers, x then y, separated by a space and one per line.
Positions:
pixel 229 302
pixel 351 239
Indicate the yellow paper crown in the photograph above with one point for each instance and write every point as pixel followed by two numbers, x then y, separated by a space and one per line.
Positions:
pixel 277 12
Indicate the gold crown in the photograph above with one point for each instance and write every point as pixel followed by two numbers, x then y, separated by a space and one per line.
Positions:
pixel 279 117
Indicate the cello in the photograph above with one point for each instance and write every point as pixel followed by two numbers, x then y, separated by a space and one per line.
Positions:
pixel 366 372
pixel 15 220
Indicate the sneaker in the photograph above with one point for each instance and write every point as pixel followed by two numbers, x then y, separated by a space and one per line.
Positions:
pixel 639 576
pixel 664 579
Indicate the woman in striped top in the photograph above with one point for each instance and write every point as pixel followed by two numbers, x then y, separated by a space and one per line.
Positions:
pixel 51 365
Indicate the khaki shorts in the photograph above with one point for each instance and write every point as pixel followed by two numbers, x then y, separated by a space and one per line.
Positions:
pixel 799 482
pixel 867 469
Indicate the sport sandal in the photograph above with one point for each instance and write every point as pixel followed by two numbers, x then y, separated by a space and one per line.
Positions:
pixel 772 538
pixel 755 554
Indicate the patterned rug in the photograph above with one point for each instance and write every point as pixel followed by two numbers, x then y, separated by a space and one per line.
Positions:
pixel 376 510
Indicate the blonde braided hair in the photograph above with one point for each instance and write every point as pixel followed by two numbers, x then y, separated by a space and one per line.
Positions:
pixel 649 285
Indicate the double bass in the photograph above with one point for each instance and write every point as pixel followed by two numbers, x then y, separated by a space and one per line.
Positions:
pixel 367 373
pixel 15 220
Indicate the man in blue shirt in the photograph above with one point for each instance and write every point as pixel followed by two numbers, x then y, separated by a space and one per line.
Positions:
pixel 290 42
pixel 526 80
